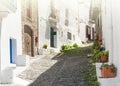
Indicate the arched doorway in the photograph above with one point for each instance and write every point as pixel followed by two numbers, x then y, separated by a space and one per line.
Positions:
pixel 28 40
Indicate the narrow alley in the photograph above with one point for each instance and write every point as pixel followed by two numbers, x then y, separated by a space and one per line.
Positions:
pixel 59 70
pixel 59 43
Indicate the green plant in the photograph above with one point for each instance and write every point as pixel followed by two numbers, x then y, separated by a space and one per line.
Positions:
pixel 90 76
pixel 63 47
pixel 75 45
pixel 45 46
pixel 96 57
pixel 111 65
pixel 104 53
pixel 108 71
pixel 66 47
pixel 96 45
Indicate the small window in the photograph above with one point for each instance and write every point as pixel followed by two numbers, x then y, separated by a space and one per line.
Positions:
pixel 66 22
pixel 69 35
pixel 28 8
pixel 74 37
pixel 66 17
pixel 62 34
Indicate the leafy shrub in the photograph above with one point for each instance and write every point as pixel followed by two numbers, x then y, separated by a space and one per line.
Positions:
pixel 68 47
pixel 91 77
pixel 96 57
pixel 98 54
pixel 75 45
pixel 96 45
pixel 63 47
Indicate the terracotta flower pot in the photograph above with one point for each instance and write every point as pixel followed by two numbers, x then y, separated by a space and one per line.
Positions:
pixel 103 59
pixel 100 43
pixel 45 47
pixel 107 72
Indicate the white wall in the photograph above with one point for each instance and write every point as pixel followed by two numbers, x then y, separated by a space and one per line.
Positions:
pixel 62 29
pixel 107 28
pixel 111 30
pixel 84 18
pixel 11 28
pixel 44 29
pixel 83 32
pixel 73 23
pixel 116 33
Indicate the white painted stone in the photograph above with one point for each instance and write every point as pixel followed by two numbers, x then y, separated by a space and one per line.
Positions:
pixel 22 60
pixel 98 71
pixel 61 29
pixel 40 51
pixel 10 28
pixel 6 76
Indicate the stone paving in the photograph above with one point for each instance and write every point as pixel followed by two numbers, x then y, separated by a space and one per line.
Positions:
pixel 57 70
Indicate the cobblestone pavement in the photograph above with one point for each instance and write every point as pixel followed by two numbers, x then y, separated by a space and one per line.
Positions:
pixel 60 70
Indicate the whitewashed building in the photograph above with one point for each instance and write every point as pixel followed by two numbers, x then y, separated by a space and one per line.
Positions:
pixel 110 36
pixel 85 26
pixel 10 35
pixel 59 23
pixel 44 28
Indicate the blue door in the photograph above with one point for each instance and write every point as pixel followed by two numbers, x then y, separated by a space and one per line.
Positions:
pixel 11 51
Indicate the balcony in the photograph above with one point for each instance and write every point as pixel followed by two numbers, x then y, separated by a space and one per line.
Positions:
pixel 8 5
pixel 53 18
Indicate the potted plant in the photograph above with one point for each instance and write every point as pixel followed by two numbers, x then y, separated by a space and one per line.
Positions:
pixel 45 46
pixel 100 42
pixel 62 47
pixel 96 57
pixel 108 71
pixel 104 56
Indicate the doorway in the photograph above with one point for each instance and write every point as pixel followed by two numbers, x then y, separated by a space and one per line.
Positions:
pixel 28 41
pixel 53 38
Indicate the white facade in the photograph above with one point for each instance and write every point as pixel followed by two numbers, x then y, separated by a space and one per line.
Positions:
pixel 44 28
pixel 84 18
pixel 110 26
pixel 10 29
pixel 62 30
pixel 111 34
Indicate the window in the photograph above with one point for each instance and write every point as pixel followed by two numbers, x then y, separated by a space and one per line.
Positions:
pixel 66 17
pixel 28 8
pixel 66 22
pixel 69 36
pixel 62 34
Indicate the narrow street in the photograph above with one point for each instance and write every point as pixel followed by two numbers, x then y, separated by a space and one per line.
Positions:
pixel 59 43
pixel 68 70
